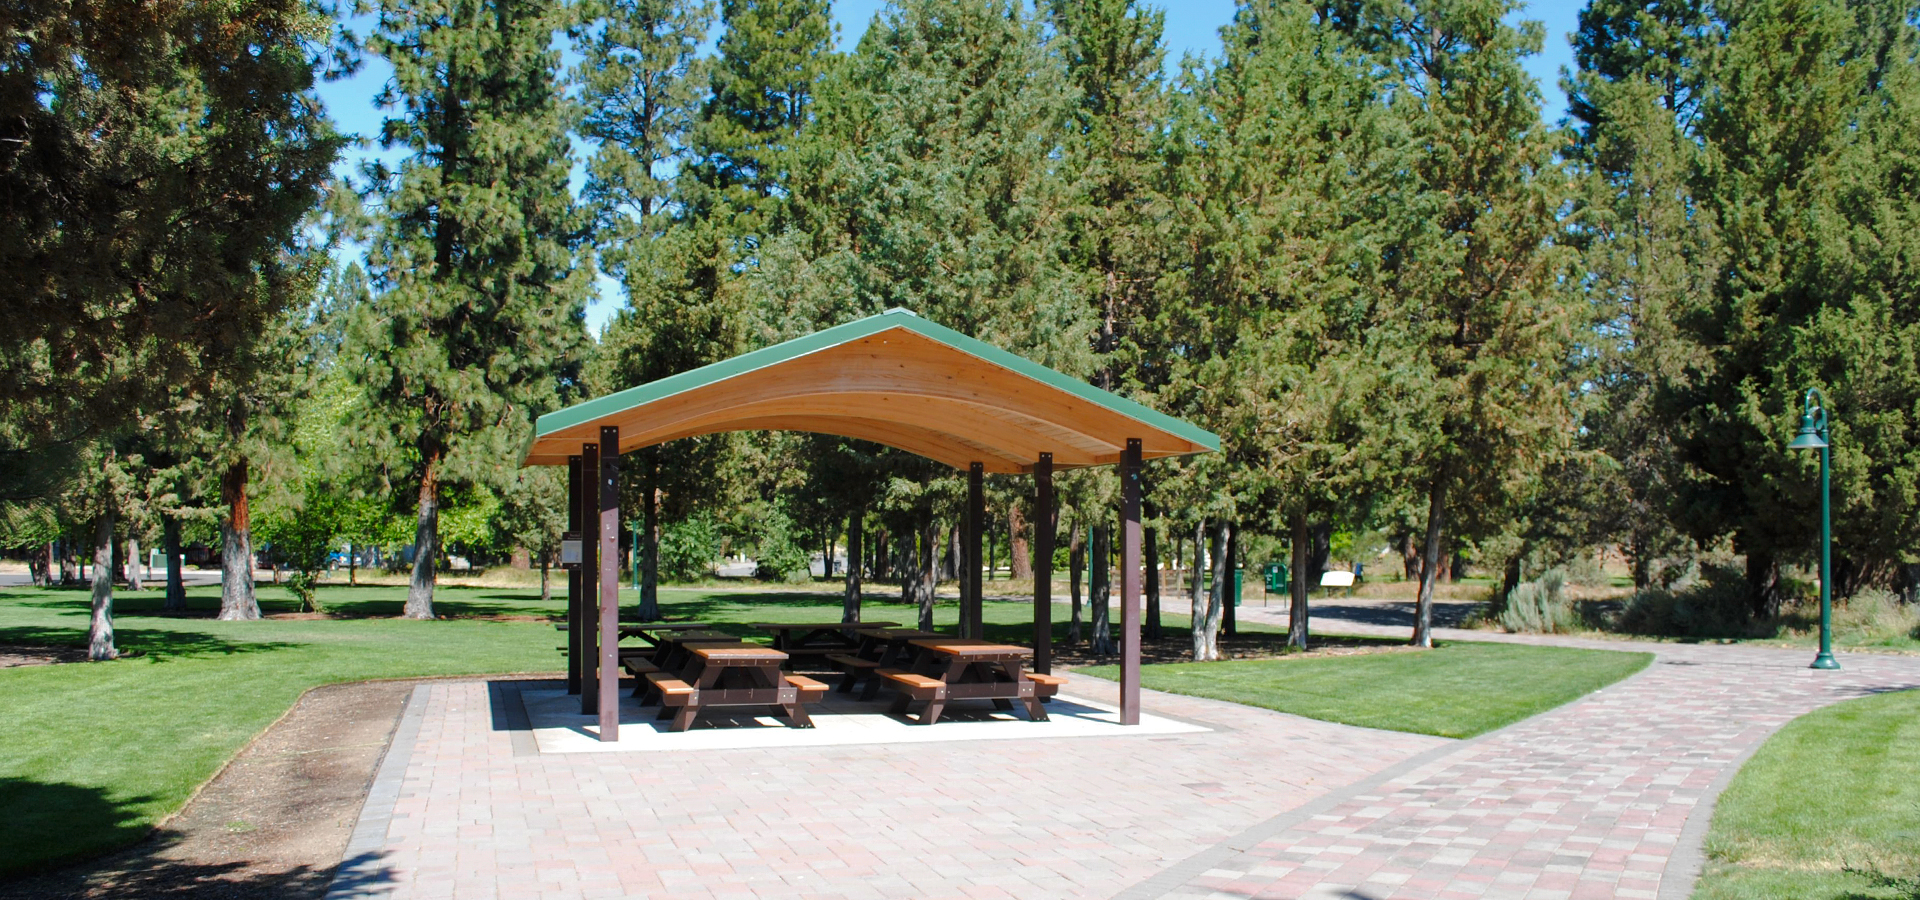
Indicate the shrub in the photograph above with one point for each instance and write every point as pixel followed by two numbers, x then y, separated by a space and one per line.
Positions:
pixel 1874 616
pixel 1540 607
pixel 781 558
pixel 688 548
pixel 1713 606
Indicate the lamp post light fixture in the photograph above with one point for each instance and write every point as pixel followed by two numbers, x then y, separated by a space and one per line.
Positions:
pixel 1815 435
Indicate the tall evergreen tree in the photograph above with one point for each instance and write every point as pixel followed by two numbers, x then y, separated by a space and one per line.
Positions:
pixel 1648 253
pixel 1481 333
pixel 771 56
pixel 1113 58
pixel 479 293
pixel 153 159
pixel 1803 131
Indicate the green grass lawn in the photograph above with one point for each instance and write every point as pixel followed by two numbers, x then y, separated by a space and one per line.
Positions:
pixel 1828 809
pixel 1455 690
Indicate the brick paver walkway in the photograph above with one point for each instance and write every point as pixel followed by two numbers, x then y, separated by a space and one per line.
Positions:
pixel 1043 818
pixel 1604 797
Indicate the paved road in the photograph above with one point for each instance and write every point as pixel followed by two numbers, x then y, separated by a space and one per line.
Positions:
pixel 1605 797
pixel 16 575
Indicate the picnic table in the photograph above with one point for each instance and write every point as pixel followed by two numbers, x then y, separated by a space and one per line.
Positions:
pixel 732 674
pixel 653 633
pixel 946 669
pixel 879 648
pixel 814 638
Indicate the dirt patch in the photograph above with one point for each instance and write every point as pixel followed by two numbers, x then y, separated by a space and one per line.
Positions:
pixel 273 824
pixel 14 655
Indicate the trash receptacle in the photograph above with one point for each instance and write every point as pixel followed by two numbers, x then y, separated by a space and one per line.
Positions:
pixel 1238 577
pixel 1276 574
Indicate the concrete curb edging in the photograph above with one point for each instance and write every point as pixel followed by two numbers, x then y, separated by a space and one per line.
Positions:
pixel 360 873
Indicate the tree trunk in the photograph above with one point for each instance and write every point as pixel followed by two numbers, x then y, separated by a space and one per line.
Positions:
pixel 40 566
pixel 1229 611
pixel 928 534
pixel 176 584
pixel 100 629
pixel 1409 556
pixel 650 541
pixel 1100 590
pixel 1457 566
pixel 1430 559
pixel 69 564
pixel 426 542
pixel 134 582
pixel 546 582
pixel 856 526
pixel 1076 564
pixel 1218 598
pixel 353 565
pixel 1297 621
pixel 1152 553
pixel 237 601
pixel 950 564
pixel 1763 585
pixel 1020 552
pixel 1198 619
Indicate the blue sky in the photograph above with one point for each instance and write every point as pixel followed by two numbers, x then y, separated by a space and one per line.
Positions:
pixel 1193 26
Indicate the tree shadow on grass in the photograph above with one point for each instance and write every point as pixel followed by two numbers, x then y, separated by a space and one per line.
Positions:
pixel 159 644
pixel 49 824
pixel 1882 886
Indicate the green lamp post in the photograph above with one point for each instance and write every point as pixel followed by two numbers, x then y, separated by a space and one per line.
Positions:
pixel 1814 435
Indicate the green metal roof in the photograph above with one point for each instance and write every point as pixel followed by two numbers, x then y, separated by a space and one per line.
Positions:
pixel 707 377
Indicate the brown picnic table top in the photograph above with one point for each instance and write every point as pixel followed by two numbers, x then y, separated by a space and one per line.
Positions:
pixel 970 648
pixel 740 651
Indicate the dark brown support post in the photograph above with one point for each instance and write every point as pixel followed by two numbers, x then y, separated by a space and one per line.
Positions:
pixel 589 579
pixel 609 583
pixel 1043 524
pixel 1130 584
pixel 972 608
pixel 576 619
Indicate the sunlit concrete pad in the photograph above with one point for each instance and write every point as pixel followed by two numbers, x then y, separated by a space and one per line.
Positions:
pixel 558 726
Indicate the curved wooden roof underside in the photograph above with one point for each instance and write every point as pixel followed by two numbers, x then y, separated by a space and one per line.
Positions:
pixel 894 379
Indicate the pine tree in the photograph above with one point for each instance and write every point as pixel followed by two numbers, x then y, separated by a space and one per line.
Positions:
pixel 1636 100
pixel 770 60
pixel 1113 55
pixel 479 293
pixel 1481 336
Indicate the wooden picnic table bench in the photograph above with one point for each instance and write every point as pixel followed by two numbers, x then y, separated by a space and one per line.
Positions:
pixel 947 669
pixel 815 639
pixel 733 675
pixel 879 648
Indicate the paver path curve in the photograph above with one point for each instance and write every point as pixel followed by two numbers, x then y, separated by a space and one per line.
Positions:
pixel 1608 796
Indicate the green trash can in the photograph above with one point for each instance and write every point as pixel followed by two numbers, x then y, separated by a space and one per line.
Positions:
pixel 1238 577
pixel 1276 577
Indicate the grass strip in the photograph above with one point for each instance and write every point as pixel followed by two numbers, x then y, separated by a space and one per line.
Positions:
pixel 1456 690
pixel 1828 808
